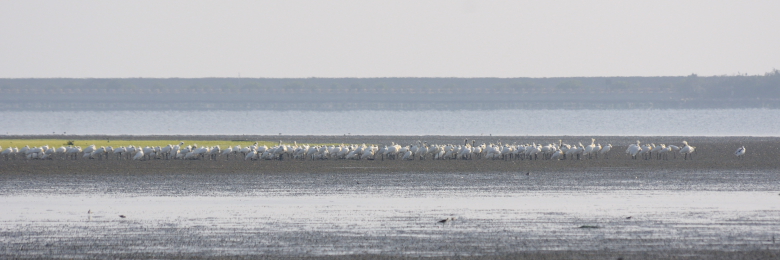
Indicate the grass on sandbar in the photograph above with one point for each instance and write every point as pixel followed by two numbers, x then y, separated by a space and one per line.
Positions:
pixel 5 143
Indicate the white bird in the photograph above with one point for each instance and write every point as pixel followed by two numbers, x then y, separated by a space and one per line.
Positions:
pixel 589 150
pixel 423 150
pixel 24 149
pixel 665 152
pixel 634 149
pixel 493 152
pixel 280 150
pixel 268 155
pixel 87 155
pixel 740 153
pixel 687 150
pixel 392 150
pixel 408 155
pixel 605 150
pixel 557 155
pixel 368 153
pixel 74 151
pixel 250 154
pixel 166 151
pixel 351 155
pixel 62 151
pixel 8 152
pixel 99 152
pixel 575 150
pixel 674 149
pixel 657 150
pixel 43 155
pixel 245 150
pixel 149 152
pixel 89 149
pixel 174 153
pixel 322 153
pixel 262 149
pixel 119 151
pixel 227 152
pixel 139 155
pixel 312 152
pixel 646 150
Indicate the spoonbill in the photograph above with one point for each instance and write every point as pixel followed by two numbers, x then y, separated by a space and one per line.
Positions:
pixel 605 150
pixel 687 150
pixel 740 153
pixel 138 155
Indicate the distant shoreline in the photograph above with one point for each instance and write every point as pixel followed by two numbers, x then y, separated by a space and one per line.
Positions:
pixel 376 101
pixel 324 94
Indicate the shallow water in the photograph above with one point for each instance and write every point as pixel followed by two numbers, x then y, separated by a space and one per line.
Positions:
pixel 668 122
pixel 388 214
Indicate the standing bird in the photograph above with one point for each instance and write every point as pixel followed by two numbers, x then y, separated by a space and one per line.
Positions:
pixel 8 153
pixel 740 153
pixel 687 150
pixel 138 155
pixel 227 153
pixel 634 149
pixel 408 155
pixel 588 150
pixel 605 150
pixel 557 155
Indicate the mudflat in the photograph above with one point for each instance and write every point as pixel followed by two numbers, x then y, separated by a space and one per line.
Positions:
pixel 715 206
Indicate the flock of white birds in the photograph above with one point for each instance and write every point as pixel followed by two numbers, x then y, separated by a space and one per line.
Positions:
pixel 419 151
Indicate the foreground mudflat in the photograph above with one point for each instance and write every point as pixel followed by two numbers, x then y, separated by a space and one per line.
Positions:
pixel 719 208
pixel 561 214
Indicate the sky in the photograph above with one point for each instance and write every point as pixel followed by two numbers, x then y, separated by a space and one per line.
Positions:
pixel 456 38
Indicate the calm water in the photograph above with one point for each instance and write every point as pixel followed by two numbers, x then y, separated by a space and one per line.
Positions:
pixel 716 122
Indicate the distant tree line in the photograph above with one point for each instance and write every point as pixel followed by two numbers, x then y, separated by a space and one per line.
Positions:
pixel 732 86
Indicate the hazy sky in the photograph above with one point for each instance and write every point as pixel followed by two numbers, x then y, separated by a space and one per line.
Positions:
pixel 387 38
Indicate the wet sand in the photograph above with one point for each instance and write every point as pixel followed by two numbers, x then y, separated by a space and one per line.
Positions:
pixel 712 207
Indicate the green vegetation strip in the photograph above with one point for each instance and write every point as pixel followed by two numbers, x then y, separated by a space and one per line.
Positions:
pixel 5 143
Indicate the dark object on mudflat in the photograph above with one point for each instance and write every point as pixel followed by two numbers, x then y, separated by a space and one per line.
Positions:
pixel 588 226
pixel 528 173
pixel 629 217
pixel 122 216
pixel 447 220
